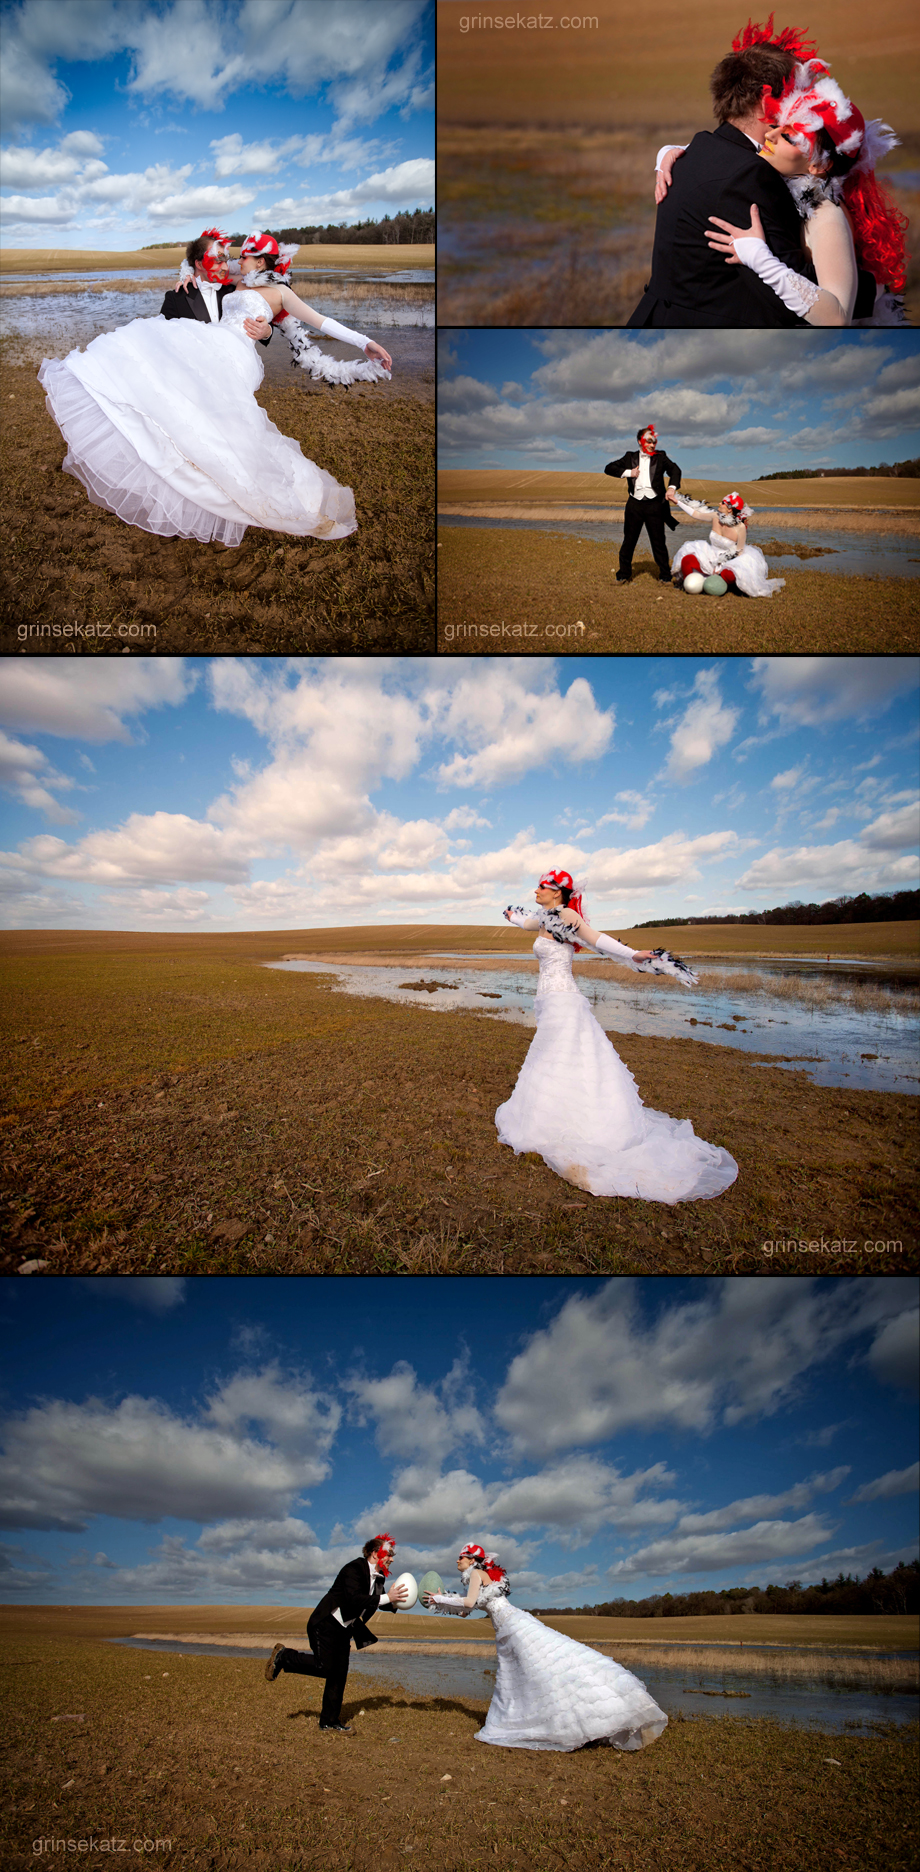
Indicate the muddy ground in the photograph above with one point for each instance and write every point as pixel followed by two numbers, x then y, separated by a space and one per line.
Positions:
pixel 173 1112
pixel 527 592
pixel 218 1769
pixel 77 580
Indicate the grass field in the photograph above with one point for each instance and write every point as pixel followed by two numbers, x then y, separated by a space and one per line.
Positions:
pixel 217 1769
pixel 174 1108
pixel 465 490
pixel 77 579
pixel 74 260
pixel 529 593
pixel 547 143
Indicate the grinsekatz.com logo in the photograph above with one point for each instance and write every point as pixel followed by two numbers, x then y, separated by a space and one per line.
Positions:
pixel 101 1845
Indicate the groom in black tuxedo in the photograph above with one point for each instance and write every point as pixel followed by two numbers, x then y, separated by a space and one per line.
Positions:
pixel 722 173
pixel 646 504
pixel 204 301
pixel 354 1596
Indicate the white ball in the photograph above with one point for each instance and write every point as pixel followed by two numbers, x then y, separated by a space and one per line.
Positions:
pixel 693 582
pixel 406 1579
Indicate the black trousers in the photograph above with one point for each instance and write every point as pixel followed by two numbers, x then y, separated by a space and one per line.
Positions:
pixel 329 1658
pixel 649 514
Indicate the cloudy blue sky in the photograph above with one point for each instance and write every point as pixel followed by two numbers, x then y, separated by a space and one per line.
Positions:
pixel 230 1440
pixel 257 793
pixel 727 404
pixel 133 121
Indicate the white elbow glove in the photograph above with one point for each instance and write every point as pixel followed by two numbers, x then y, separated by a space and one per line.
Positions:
pixel 608 945
pixel 516 914
pixel 449 1602
pixel 797 293
pixel 333 330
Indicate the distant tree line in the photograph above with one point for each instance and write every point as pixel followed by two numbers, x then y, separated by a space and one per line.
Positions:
pixel 890 907
pixel 399 230
pixel 897 1591
pixel 908 468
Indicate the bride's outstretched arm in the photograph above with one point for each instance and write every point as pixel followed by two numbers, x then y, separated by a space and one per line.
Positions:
pixel 817 305
pixel 605 945
pixel 332 329
pixel 524 919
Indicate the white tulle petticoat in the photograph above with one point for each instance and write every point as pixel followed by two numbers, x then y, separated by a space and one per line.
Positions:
pixel 577 1105
pixel 163 429
pixel 553 1693
pixel 749 565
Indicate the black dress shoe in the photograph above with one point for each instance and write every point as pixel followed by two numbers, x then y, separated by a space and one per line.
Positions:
pixel 336 1729
pixel 273 1663
pixel 624 578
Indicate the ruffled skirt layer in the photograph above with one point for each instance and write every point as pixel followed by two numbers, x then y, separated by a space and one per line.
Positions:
pixel 749 566
pixel 162 428
pixel 577 1105
pixel 552 1693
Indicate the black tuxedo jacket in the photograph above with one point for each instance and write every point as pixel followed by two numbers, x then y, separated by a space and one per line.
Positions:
pixel 721 174
pixel 179 304
pixel 352 1594
pixel 660 465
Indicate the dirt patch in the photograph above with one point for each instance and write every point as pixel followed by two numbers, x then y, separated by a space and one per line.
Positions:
pixel 218 1769
pixel 175 1113
pixel 523 593
pixel 79 581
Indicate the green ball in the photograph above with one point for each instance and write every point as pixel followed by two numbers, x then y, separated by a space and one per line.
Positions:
pixel 715 585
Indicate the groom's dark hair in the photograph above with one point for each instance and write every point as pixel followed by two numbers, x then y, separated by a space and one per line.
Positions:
pixel 738 81
pixel 196 250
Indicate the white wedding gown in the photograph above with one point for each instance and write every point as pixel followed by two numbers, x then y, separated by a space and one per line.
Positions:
pixel 163 429
pixel 578 1106
pixel 552 1693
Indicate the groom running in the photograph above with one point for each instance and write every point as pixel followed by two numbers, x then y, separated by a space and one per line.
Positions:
pixel 646 504
pixel 352 1599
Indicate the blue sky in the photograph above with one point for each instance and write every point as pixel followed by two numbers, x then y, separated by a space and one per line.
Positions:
pixel 222 1440
pixel 728 405
pixel 133 121
pixel 225 793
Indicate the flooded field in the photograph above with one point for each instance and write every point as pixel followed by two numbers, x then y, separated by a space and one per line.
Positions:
pixel 886 555
pixel 840 1024
pixel 800 1699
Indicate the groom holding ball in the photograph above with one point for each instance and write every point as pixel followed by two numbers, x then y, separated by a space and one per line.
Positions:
pixel 354 1596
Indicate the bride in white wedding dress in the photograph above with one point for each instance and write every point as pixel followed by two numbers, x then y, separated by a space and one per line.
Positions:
pixel 550 1692
pixel 575 1102
pixel 163 429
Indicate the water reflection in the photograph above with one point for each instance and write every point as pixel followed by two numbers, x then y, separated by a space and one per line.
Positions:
pixel 835 1044
pixel 884 555
pixel 806 1701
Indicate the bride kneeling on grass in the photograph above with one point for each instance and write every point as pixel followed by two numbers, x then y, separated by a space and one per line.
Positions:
pixel 725 562
pixel 550 1692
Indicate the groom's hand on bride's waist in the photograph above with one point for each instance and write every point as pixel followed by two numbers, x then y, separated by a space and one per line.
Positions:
pixel 257 328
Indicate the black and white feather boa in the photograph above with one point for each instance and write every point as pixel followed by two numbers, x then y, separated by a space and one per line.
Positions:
pixel 661 962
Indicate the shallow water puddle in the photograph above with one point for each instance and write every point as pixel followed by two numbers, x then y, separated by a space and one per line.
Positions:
pixel 836 1046
pixel 677 1691
pixel 882 555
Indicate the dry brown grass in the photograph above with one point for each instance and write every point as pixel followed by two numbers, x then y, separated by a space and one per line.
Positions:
pixel 465 488
pixel 201 1753
pixel 74 260
pixel 174 1111
pixel 529 593
pixel 78 580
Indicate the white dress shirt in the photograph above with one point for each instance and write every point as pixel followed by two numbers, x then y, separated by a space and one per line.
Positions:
pixel 208 293
pixel 642 488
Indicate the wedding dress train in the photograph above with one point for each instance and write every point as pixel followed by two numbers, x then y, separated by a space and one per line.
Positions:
pixel 553 1693
pixel 163 429
pixel 577 1104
